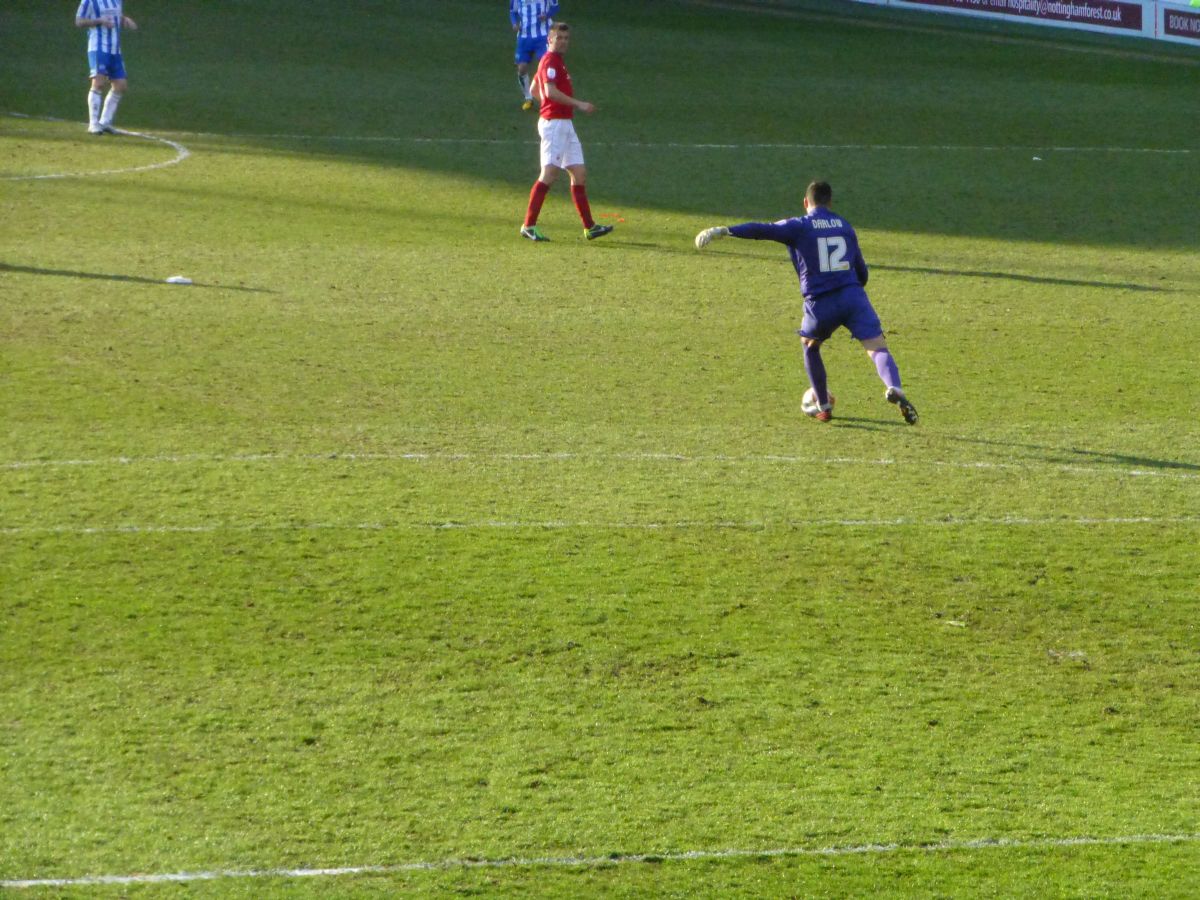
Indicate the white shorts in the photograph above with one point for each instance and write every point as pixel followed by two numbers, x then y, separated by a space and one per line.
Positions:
pixel 560 144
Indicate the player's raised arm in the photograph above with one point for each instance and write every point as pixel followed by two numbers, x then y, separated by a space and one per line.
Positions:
pixel 764 231
pixel 754 231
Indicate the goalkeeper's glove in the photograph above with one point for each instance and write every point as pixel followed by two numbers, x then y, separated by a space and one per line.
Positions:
pixel 708 234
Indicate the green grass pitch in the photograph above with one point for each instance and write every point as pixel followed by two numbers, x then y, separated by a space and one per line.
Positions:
pixel 398 542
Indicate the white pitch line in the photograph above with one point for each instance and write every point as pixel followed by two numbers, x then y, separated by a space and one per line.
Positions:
pixel 648 457
pixel 584 525
pixel 645 145
pixel 702 145
pixel 614 860
pixel 181 153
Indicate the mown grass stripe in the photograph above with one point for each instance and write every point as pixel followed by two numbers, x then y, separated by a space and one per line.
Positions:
pixel 563 525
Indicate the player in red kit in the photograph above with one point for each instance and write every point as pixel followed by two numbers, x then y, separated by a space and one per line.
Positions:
pixel 560 145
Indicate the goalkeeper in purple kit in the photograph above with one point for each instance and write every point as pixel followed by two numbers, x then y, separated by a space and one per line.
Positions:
pixel 825 252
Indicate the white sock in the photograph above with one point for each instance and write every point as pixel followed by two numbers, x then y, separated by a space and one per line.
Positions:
pixel 524 81
pixel 94 101
pixel 110 107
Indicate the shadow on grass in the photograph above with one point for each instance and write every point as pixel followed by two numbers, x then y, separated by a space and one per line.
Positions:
pixel 1079 455
pixel 132 279
pixel 866 424
pixel 1033 279
pixel 927 270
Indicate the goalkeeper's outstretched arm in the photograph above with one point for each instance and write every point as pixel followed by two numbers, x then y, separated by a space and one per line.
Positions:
pixel 783 232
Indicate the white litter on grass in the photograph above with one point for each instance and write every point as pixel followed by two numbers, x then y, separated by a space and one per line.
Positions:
pixel 1037 159
pixel 179 279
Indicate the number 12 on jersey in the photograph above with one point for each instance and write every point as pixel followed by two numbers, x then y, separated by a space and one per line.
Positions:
pixel 833 254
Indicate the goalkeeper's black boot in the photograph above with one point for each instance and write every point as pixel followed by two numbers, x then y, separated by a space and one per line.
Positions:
pixel 895 395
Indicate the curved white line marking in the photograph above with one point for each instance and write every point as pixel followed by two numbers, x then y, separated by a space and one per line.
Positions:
pixel 181 153
pixel 614 860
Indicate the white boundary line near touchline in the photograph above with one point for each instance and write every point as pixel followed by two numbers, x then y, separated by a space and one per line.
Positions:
pixel 669 145
pixel 562 525
pixel 630 456
pixel 1027 36
pixel 676 145
pixel 621 859
pixel 181 153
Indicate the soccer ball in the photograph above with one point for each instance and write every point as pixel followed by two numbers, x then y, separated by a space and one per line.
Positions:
pixel 809 405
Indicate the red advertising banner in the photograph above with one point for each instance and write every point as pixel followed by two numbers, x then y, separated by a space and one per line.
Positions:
pixel 1097 13
pixel 1180 23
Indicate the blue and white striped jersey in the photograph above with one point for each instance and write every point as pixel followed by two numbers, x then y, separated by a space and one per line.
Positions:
pixel 104 40
pixel 533 16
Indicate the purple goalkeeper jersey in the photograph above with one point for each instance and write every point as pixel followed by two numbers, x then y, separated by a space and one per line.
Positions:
pixel 823 247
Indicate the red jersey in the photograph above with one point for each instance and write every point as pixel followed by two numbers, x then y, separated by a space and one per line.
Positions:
pixel 552 70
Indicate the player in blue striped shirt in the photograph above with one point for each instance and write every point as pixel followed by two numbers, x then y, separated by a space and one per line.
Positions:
pixel 104 20
pixel 825 253
pixel 531 20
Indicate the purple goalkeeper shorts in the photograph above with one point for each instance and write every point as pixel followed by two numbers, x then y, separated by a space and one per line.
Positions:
pixel 826 313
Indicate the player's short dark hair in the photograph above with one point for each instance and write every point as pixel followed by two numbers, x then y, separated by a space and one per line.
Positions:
pixel 819 193
pixel 560 27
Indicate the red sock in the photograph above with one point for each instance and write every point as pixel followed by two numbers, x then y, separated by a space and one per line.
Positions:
pixel 579 195
pixel 536 196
